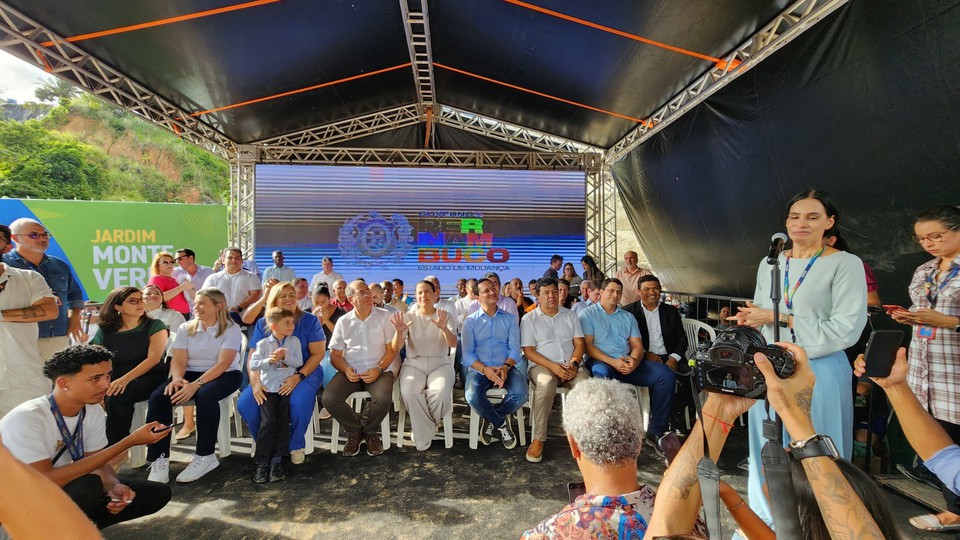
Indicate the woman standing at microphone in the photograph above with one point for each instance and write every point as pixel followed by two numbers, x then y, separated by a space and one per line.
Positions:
pixel 824 309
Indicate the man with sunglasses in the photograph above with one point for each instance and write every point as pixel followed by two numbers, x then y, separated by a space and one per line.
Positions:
pixel 32 241
pixel 25 299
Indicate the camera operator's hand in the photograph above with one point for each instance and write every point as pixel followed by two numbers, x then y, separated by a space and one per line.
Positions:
pixel 792 397
pixel 898 373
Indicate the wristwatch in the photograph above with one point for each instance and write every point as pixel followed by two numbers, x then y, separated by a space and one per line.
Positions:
pixel 784 322
pixel 200 381
pixel 814 446
pixel 300 374
pixel 381 369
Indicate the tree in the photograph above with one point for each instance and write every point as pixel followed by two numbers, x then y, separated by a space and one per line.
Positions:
pixel 56 89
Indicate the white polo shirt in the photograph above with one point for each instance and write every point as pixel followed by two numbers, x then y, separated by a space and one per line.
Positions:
pixel 20 360
pixel 551 336
pixel 203 348
pixel 235 287
pixel 363 342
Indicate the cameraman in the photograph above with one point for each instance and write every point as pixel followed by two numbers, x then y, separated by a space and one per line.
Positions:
pixel 678 497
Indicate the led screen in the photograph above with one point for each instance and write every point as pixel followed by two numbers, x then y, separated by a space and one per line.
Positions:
pixel 385 223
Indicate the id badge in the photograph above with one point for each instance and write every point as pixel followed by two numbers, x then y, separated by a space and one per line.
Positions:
pixel 925 331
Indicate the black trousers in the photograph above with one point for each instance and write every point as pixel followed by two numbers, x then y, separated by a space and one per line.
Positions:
pixel 87 492
pixel 273 437
pixel 120 407
pixel 953 500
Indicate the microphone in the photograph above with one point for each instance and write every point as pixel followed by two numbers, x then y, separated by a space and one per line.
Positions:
pixel 776 247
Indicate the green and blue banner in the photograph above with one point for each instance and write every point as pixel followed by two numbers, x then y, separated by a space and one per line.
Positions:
pixel 111 244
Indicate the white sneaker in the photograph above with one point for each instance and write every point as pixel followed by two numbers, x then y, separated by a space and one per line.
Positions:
pixel 200 466
pixel 160 470
pixel 297 457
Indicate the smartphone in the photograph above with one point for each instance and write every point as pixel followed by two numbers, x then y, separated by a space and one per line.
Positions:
pixel 893 308
pixel 670 444
pixel 575 489
pixel 881 352
pixel 168 428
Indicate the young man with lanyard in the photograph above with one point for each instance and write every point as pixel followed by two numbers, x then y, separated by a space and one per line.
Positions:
pixel 63 436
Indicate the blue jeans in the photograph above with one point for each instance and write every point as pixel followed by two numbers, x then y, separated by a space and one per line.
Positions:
pixel 206 400
pixel 658 378
pixel 475 390
pixel 302 400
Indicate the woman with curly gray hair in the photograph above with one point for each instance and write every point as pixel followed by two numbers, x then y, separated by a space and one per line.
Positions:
pixel 605 431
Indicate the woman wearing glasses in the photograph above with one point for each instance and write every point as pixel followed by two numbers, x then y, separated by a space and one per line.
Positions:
pixel 137 343
pixel 934 374
pixel 161 275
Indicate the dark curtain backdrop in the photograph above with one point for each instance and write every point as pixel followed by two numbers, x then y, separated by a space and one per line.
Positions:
pixel 865 105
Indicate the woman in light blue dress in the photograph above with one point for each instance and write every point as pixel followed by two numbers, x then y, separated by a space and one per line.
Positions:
pixel 824 310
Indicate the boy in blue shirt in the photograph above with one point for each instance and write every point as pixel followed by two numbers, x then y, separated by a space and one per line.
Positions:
pixel 276 358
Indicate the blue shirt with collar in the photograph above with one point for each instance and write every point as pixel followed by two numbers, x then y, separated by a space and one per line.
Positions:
pixel 491 340
pixel 60 279
pixel 946 465
pixel 611 331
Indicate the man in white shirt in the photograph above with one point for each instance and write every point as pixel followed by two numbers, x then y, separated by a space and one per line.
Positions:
pixel 361 352
pixel 240 287
pixel 304 298
pixel 396 294
pixel 630 276
pixel 188 268
pixel 661 327
pixel 327 276
pixel 379 299
pixel 278 271
pixel 25 300
pixel 64 437
pixel 552 341
pixel 589 295
pixel 463 304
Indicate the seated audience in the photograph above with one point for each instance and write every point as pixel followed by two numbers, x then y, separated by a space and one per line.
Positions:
pixel 239 287
pixel 552 342
pixel 187 268
pixel 615 351
pixel 304 302
pixel 156 308
pixel 277 357
pixel 426 377
pixel 63 436
pixel 661 329
pixel 175 294
pixel 327 313
pixel 574 279
pixel 362 353
pixel 376 291
pixel 563 286
pixel 491 350
pixel 205 369
pixel 505 303
pixel 589 295
pixel 340 298
pixel 326 276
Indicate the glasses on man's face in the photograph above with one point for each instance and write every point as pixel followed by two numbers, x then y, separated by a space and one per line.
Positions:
pixel 133 301
pixel 36 235
pixel 934 238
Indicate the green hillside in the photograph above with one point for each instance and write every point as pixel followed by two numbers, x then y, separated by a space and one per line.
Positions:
pixel 86 149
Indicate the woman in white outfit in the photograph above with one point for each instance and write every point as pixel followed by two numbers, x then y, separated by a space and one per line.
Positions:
pixel 426 378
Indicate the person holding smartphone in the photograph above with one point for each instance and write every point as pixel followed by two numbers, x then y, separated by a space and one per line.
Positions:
pixel 934 374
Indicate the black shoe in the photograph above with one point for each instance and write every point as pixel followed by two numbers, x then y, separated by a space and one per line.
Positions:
pixel 652 442
pixel 486 432
pixel 276 472
pixel 920 474
pixel 262 474
pixel 507 437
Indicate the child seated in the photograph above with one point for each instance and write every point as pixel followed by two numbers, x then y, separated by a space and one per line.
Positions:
pixel 276 358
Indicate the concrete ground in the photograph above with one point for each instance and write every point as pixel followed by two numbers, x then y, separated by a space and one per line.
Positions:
pixel 488 493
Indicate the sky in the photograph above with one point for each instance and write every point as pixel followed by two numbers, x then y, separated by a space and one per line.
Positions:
pixel 18 78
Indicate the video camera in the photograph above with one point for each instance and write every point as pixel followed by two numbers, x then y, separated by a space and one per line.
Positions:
pixel 726 366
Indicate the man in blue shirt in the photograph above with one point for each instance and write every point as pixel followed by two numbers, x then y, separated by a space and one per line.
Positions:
pixel 615 351
pixel 32 241
pixel 491 350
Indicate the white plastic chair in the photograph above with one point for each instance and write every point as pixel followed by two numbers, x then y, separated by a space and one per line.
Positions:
pixel 496 394
pixel 357 399
pixel 693 328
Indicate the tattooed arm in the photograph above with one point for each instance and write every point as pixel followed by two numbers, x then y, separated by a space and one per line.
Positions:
pixel 844 513
pixel 44 309
pixel 678 497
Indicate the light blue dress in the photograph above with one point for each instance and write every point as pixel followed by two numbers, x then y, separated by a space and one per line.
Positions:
pixel 829 313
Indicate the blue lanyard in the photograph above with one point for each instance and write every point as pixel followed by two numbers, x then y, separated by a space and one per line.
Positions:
pixel 930 284
pixel 74 443
pixel 788 295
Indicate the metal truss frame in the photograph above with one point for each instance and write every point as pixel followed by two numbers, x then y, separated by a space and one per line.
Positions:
pixel 243 169
pixel 23 37
pixel 402 157
pixel 349 129
pixel 601 218
pixel 784 28
pixel 511 133
pixel 416 25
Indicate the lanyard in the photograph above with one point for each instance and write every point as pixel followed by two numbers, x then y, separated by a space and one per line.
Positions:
pixel 929 286
pixel 787 293
pixel 73 443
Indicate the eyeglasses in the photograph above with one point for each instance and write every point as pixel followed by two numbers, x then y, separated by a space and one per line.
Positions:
pixel 935 238
pixel 178 259
pixel 133 301
pixel 166 262
pixel 36 235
